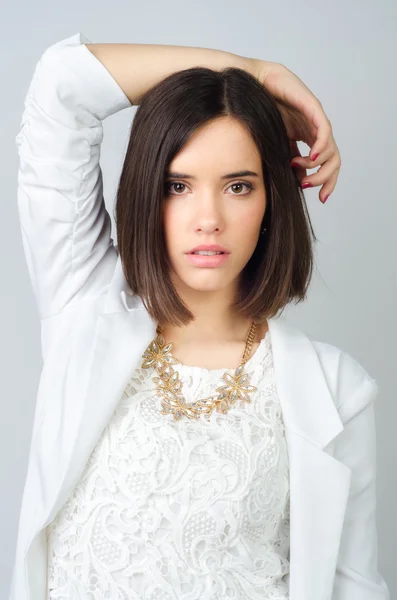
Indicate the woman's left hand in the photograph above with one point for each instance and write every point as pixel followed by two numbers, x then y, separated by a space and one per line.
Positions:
pixel 305 121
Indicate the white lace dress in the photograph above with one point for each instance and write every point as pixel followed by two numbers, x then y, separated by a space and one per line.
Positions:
pixel 180 510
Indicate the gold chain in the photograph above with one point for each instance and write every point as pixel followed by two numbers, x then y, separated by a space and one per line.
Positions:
pixel 169 386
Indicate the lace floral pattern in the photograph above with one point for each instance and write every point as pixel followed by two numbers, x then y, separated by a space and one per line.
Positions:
pixel 180 510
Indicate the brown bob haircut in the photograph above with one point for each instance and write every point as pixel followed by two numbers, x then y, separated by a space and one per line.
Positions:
pixel 280 268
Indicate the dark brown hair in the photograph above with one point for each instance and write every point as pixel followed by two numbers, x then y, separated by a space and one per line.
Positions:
pixel 281 265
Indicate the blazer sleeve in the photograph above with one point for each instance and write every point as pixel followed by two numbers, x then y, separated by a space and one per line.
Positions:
pixel 357 576
pixel 66 230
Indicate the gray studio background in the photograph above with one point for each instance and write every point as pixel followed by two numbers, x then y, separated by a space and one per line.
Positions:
pixel 345 52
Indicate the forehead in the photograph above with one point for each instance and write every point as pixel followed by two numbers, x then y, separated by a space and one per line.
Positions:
pixel 220 146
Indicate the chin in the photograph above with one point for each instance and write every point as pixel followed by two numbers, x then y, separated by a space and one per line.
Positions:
pixel 204 280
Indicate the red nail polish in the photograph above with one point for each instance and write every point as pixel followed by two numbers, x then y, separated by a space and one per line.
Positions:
pixel 306 185
pixel 326 198
pixel 295 165
pixel 314 157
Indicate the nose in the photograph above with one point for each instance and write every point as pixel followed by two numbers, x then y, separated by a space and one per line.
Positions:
pixel 209 216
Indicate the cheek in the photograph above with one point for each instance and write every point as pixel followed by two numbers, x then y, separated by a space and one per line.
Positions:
pixel 172 224
pixel 250 220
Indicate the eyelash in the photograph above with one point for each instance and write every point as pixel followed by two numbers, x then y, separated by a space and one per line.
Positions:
pixel 249 185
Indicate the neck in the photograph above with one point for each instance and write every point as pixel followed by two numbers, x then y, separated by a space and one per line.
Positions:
pixel 209 328
pixel 214 321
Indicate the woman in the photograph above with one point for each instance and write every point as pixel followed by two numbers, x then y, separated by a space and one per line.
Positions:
pixel 181 423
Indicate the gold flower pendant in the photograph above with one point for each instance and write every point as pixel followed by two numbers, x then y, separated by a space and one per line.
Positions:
pixel 169 387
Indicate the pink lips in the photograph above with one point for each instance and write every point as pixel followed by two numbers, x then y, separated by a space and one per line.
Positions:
pixel 207 261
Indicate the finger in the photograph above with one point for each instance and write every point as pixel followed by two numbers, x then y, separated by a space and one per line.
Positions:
pixel 325 171
pixel 328 187
pixel 327 176
pixel 324 130
pixel 329 170
pixel 307 163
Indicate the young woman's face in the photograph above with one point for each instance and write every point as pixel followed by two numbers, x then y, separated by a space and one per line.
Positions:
pixel 212 207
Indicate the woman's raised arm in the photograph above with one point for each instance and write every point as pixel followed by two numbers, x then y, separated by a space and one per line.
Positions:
pixel 66 229
pixel 138 67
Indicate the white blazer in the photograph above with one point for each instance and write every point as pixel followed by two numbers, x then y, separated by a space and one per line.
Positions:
pixel 94 332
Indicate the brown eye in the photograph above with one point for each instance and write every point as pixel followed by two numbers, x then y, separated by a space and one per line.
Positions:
pixel 242 183
pixel 171 183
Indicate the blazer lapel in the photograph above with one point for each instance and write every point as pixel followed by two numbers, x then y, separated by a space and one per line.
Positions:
pixel 319 484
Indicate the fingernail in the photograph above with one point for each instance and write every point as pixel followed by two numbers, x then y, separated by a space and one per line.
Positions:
pixel 326 198
pixel 314 156
pixel 294 165
pixel 306 185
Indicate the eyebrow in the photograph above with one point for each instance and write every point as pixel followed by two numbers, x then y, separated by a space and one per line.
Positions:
pixel 245 173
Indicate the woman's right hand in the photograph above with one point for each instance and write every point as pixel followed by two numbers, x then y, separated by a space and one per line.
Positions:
pixel 305 121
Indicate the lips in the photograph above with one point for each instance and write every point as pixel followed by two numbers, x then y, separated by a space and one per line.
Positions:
pixel 214 260
pixel 213 252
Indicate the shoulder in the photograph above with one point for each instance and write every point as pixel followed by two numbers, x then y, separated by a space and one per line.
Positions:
pixel 352 387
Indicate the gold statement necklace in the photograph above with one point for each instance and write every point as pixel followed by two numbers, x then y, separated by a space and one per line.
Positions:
pixel 169 387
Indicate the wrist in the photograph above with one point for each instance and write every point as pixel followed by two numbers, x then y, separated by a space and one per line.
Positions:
pixel 264 69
